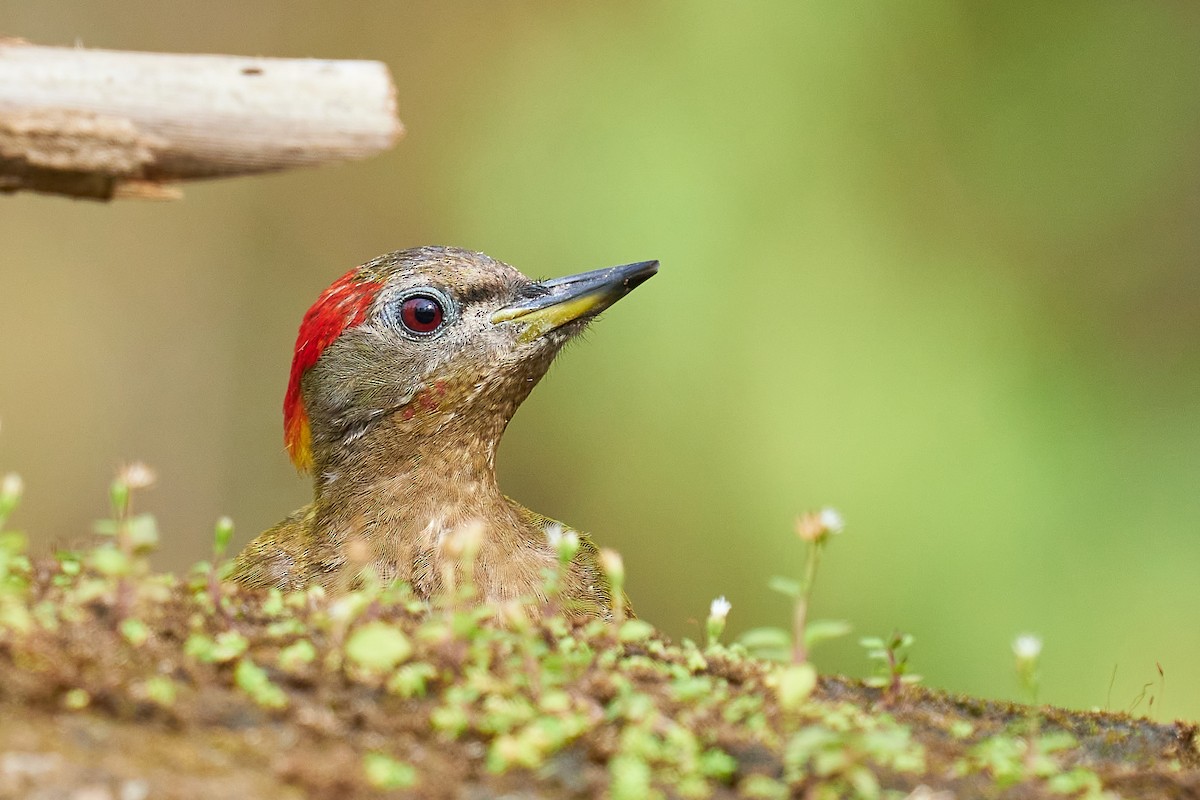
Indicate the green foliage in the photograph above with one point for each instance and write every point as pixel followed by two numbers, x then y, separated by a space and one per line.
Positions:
pixel 795 684
pixel 14 564
pixel 225 647
pixel 672 720
pixel 76 699
pixel 891 662
pixel 135 631
pixel 254 681
pixel 814 529
pixel 11 488
pixel 222 534
pixel 296 656
pixel 635 630
pixel 161 690
pixel 377 647
pixel 1010 760
pixel 385 772
pixel 411 680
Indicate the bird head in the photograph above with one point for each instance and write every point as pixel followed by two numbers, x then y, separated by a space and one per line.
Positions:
pixel 429 340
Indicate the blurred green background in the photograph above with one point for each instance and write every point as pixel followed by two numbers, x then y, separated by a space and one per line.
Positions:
pixel 932 263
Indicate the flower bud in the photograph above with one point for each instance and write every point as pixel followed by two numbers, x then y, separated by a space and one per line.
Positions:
pixel 718 611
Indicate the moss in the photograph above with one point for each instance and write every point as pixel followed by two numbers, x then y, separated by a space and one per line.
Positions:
pixel 376 691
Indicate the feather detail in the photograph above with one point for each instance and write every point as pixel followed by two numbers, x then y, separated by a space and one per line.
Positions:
pixel 343 305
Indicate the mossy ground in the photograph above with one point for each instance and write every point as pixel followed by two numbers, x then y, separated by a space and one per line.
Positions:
pixel 118 683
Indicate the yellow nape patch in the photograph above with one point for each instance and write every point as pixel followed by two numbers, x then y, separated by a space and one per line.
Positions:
pixel 299 442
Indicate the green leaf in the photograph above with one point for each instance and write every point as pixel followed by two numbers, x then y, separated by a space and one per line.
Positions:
pixel 785 586
pixel 757 639
pixel 160 690
pixel 297 655
pixel 253 680
pixel 411 680
pixel 716 763
pixel 635 630
pixel 221 536
pixel 13 543
pixel 822 630
pixel 1074 781
pixel 135 631
pixel 273 604
pixel 108 560
pixel 795 685
pixel 384 772
pixel 773 644
pixel 142 531
pixel 378 647
pixel 227 646
pixel 118 495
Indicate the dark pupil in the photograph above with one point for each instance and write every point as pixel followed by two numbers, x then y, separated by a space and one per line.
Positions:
pixel 425 311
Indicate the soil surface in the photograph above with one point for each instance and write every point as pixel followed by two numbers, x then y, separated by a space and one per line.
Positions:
pixel 128 687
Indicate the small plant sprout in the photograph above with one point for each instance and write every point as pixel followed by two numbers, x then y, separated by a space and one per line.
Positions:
pixel 614 570
pixel 384 772
pixel 11 488
pixel 891 657
pixel 461 548
pixel 377 647
pixel 222 534
pixel 134 536
pixel 1027 649
pixel 718 611
pixel 565 542
pixel 815 528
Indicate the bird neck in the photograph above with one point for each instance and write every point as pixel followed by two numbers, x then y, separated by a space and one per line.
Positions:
pixel 402 463
pixel 406 477
pixel 395 494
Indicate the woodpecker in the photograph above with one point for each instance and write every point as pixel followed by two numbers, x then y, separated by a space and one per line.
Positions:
pixel 406 372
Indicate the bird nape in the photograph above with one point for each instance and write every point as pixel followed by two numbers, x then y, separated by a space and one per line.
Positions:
pixel 406 372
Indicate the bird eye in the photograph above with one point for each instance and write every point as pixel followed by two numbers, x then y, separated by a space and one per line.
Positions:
pixel 422 314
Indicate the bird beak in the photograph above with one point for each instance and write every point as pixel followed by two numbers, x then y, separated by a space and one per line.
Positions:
pixel 561 300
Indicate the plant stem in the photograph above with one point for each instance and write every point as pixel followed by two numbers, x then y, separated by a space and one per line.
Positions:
pixel 800 614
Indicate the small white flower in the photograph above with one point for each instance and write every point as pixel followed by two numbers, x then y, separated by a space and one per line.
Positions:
pixel 341 609
pixel 1027 647
pixel 570 541
pixel 137 475
pixel 719 608
pixel 12 486
pixel 832 520
pixel 817 526
pixel 563 541
pixel 611 563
